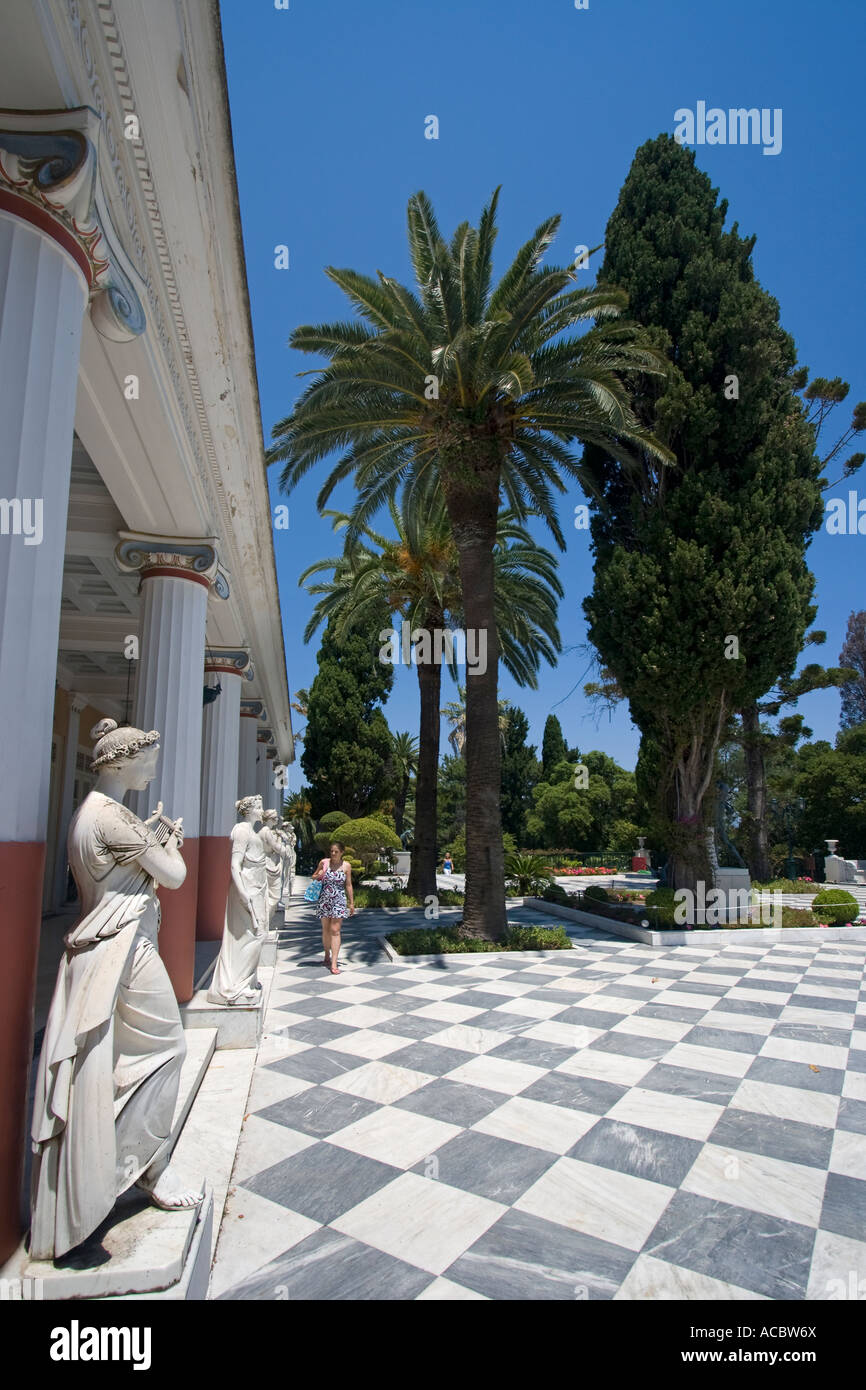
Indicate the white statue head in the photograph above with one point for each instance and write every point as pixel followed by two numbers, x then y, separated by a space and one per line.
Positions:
pixel 269 816
pixel 129 753
pixel 249 806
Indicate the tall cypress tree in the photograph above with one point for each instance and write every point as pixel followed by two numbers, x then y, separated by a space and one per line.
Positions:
pixel 347 744
pixel 701 591
pixel 519 775
pixel 553 746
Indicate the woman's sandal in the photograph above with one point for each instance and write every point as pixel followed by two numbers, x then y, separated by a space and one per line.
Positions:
pixel 335 970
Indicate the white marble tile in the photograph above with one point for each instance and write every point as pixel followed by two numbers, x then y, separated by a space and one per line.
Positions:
pixel 280 1018
pixel 814 1054
pixel 838 1272
pixel 713 1060
pixel 393 1136
pixel 509 989
pixel 614 1004
pixel 428 990
pixel 366 1042
pixel 554 1128
pixel 858 1039
pixel 854 1085
pixel 654 1279
pixel 446 1291
pixel 277 1044
pixel 789 1191
pixel 359 994
pixel 739 1023
pixel 787 1103
pixel 446 1012
pixel 706 977
pixel 597 1201
pixel 530 1008
pixel 497 1074
pixel 379 1081
pixel 816 1018
pixel 849 1154
pixel 468 1039
pixel 269 1087
pixel 254 1231
pixel 682 999
pixel 666 1029
pixel 572 1035
pixel 672 1114
pixel 768 973
pixel 426 1223
pixel 361 1015
pixel 826 991
pixel 758 996
pixel 607 1066
pixel 264 1143
pixel 576 984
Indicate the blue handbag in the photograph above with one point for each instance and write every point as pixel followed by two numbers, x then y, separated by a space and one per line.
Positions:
pixel 313 891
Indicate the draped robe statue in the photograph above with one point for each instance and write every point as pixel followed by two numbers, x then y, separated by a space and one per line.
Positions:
pixel 109 1068
pixel 235 979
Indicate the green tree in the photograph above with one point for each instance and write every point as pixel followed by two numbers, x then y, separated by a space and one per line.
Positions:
pixel 832 783
pixel 485 389
pixel 853 658
pixel 347 743
pixel 414 576
pixel 452 798
pixel 553 746
pixel 404 755
pixel 702 594
pixel 520 773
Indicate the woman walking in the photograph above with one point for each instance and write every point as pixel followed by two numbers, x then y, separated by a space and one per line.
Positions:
pixel 336 901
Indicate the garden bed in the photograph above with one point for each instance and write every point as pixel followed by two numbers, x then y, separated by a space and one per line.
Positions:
pixel 419 941
pixel 681 936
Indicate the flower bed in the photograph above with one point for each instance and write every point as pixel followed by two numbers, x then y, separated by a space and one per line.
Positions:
pixel 581 872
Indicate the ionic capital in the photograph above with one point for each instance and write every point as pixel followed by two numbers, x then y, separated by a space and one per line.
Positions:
pixel 179 557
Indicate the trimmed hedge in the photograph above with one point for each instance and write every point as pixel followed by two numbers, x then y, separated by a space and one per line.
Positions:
pixel 446 941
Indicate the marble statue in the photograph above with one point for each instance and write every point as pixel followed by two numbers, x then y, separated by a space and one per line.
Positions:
pixel 287 834
pixel 276 855
pixel 235 979
pixel 109 1068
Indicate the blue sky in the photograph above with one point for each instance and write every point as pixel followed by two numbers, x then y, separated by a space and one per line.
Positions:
pixel 328 102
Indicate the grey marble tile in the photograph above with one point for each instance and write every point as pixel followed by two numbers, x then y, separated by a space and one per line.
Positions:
pixel 429 1057
pixel 857 1059
pixel 523 1258
pixel 759 1008
pixel 852 1116
pixel 490 1167
pixel 807 1032
pixel 826 1079
pixel 318 1030
pixel 406 1025
pixel 316 1064
pixel 325 1003
pixel 821 1005
pixel 741 1247
pixel 478 998
pixel 645 1153
pixel 329 1267
pixel 773 1137
pixel 400 1003
pixel 318 1110
pixel 729 1039
pixel 590 1018
pixel 451 1101
pixel 533 1051
pixel 576 1092
pixel 697 987
pixel 780 987
pixel 696 1085
pixel 632 1045
pixel 503 1022
pixel 844 1210
pixel 675 1013
pixel 322 1181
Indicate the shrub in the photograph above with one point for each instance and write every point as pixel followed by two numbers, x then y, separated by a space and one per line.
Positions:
pixel 536 938
pixel 596 891
pixel 422 941
pixel 662 900
pixel 528 873
pixel 786 885
pixel 332 819
pixel 555 893
pixel 367 836
pixel 798 917
pixel 835 906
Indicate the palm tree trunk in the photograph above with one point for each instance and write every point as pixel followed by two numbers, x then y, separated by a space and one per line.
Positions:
pixel 758 853
pixel 422 872
pixel 473 513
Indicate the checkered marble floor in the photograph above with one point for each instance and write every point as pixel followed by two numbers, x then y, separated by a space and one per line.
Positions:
pixel 616 1121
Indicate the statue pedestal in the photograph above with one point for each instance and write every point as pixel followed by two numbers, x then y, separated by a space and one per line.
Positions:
pixel 638 864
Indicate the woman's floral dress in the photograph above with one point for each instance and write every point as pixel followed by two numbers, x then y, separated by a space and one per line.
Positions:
pixel 332 899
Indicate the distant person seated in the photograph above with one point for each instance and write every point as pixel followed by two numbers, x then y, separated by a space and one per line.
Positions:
pixel 448 864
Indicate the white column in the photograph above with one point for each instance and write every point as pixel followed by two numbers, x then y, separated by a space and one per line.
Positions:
pixel 61 870
pixel 247 750
pixel 220 753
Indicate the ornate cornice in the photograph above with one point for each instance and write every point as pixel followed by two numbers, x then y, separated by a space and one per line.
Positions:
pixel 227 661
pixel 186 557
pixel 49 176
pixel 253 709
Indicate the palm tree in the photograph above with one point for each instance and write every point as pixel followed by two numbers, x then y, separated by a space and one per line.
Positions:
pixel 296 812
pixel 416 575
pixel 301 704
pixel 478 389
pixel 405 758
pixel 455 713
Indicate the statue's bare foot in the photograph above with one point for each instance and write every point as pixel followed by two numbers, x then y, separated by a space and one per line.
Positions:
pixel 169 1193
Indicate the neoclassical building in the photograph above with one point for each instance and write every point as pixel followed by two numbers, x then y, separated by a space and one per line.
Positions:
pixel 137 574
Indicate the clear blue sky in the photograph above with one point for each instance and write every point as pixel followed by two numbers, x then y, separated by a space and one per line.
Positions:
pixel 329 100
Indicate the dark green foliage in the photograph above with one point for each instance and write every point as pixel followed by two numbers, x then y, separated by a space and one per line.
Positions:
pixel 423 941
pixel 596 891
pixel 713 547
pixel 331 819
pixel 347 744
pixel 520 773
pixel 553 746
pixel 798 917
pixel 831 782
pixel 836 906
pixel 581 817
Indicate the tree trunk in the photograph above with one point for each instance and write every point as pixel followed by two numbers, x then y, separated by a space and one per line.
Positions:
pixel 758 854
pixel 689 862
pixel 473 513
pixel 422 871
